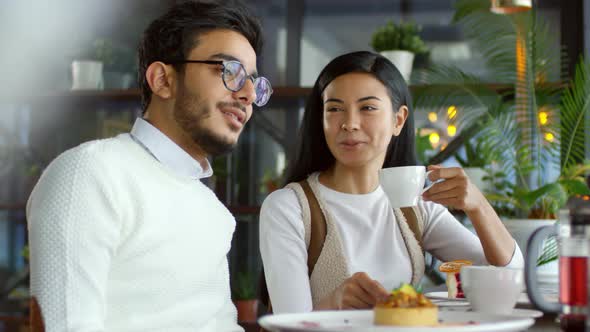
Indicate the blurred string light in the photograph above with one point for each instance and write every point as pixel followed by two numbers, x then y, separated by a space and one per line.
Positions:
pixel 451 130
pixel 432 117
pixel 434 138
pixel 452 111
pixel 549 137
pixel 511 6
pixel 543 118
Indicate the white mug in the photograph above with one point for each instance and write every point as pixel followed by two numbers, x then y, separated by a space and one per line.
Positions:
pixel 403 185
pixel 492 289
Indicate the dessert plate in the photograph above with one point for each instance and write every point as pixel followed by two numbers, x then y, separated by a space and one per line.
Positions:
pixel 362 321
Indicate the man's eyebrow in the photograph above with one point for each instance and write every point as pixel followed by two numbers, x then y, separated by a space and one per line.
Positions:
pixel 228 57
pixel 335 100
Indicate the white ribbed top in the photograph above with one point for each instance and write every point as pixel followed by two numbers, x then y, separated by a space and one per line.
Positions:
pixel 371 239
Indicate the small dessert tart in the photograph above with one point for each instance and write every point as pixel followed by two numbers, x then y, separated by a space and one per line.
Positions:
pixel 406 307
pixel 453 269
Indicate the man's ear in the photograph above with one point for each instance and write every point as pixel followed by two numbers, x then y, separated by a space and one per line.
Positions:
pixel 161 78
pixel 399 119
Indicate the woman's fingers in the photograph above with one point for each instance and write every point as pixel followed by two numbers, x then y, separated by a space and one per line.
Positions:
pixel 360 291
pixel 439 172
pixel 372 287
pixel 444 186
pixel 357 299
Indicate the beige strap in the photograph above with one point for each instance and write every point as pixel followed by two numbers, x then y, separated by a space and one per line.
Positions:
pixel 415 250
pixel 318 227
pixel 412 220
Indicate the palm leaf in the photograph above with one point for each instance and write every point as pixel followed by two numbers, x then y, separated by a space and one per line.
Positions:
pixel 575 187
pixel 496 42
pixel 575 103
pixel 468 93
pixel 549 251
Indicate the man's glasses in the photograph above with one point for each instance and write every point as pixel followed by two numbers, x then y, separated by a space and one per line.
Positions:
pixel 234 77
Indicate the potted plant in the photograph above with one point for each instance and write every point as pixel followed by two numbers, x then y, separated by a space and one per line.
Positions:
pixel 474 162
pixel 541 163
pixel 244 296
pixel 87 66
pixel 119 64
pixel 399 43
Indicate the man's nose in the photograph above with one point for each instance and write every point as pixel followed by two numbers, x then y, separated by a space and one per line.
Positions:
pixel 247 94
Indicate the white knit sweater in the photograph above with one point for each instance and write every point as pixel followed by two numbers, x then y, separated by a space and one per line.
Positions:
pixel 121 242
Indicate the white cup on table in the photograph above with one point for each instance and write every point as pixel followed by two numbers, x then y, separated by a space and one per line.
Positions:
pixel 492 289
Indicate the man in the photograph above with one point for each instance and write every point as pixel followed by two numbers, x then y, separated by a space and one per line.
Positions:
pixel 123 235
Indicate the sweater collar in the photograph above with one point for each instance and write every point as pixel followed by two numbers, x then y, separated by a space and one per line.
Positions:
pixel 167 152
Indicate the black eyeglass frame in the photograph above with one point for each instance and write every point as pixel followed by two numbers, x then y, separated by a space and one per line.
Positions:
pixel 223 63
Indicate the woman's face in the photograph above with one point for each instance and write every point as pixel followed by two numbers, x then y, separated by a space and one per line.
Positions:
pixel 359 121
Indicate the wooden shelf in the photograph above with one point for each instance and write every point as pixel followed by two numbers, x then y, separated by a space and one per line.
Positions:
pixel 279 92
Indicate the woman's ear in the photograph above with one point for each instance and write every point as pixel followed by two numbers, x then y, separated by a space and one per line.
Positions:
pixel 161 78
pixel 399 119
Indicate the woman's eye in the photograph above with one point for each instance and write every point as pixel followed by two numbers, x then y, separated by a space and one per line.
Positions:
pixel 368 108
pixel 333 109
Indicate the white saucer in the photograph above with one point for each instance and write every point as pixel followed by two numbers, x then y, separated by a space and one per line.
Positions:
pixel 516 312
pixel 443 296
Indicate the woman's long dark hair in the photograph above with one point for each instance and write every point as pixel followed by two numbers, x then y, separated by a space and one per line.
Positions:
pixel 312 153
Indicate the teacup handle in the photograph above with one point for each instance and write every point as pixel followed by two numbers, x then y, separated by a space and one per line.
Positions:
pixel 430 186
pixel 530 269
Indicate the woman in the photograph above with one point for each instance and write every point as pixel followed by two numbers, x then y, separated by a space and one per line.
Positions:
pixel 358 119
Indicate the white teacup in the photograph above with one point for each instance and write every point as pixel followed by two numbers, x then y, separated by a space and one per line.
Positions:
pixel 492 289
pixel 403 185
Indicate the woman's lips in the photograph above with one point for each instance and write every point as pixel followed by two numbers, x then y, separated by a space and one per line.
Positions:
pixel 351 144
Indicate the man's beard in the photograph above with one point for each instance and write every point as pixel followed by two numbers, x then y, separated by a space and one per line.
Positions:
pixel 189 112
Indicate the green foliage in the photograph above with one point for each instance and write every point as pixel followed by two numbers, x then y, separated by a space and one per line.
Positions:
pixel 477 154
pixel 244 287
pixel 423 147
pixel 25 252
pixel 508 121
pixel 114 57
pixel 403 36
pixel 269 182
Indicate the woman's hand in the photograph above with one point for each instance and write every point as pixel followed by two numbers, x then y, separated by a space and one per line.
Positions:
pixel 456 190
pixel 356 292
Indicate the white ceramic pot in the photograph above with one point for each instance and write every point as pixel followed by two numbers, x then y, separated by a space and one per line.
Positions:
pixel 403 60
pixel 521 230
pixel 87 75
pixel 476 174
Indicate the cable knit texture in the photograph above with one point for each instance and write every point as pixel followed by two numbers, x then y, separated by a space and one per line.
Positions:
pixel 119 242
pixel 331 269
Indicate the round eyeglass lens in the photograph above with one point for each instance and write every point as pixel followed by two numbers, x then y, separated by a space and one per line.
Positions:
pixel 263 91
pixel 234 75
